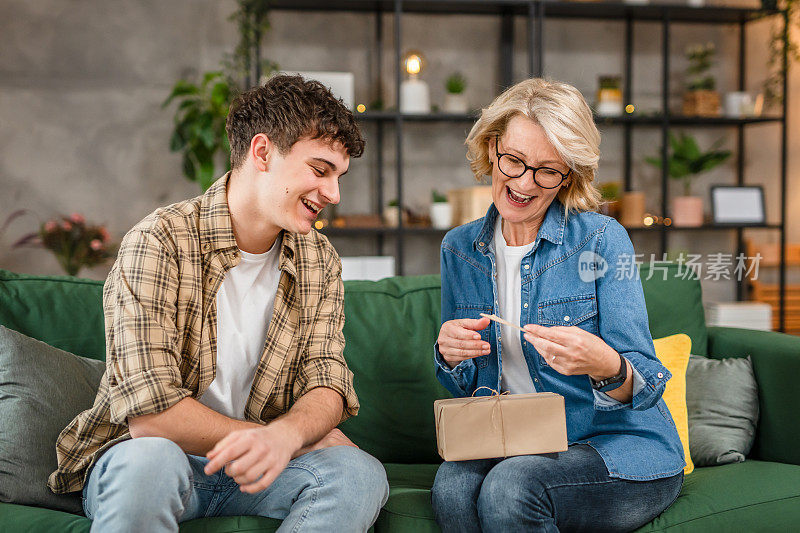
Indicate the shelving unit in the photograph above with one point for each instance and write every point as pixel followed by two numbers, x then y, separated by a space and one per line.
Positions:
pixel 536 13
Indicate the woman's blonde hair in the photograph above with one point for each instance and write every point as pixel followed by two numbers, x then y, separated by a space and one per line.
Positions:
pixel 567 121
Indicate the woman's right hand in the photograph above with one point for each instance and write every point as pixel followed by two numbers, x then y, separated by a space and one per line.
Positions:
pixel 459 340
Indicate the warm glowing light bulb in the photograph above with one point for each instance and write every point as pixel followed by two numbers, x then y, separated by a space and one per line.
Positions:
pixel 629 108
pixel 648 221
pixel 413 64
pixel 361 108
pixel 319 224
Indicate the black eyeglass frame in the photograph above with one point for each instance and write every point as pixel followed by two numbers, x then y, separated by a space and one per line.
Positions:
pixel 527 167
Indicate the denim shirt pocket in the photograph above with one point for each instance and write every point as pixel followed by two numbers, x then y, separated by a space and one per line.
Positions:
pixel 474 311
pixel 579 310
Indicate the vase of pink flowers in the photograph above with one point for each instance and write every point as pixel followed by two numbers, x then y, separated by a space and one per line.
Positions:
pixel 75 242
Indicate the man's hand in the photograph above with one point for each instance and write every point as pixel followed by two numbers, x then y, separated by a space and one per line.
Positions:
pixel 254 458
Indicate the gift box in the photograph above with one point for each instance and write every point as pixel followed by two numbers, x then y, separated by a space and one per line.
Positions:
pixel 503 425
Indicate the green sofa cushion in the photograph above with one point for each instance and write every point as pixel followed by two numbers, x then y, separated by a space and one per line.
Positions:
pixel 674 304
pixel 62 311
pixel 735 497
pixel 391 327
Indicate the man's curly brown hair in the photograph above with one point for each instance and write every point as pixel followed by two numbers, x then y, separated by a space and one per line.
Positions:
pixel 287 109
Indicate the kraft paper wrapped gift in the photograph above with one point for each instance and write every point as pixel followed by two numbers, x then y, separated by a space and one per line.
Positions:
pixel 486 427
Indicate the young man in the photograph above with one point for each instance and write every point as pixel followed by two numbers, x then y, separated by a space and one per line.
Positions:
pixel 225 377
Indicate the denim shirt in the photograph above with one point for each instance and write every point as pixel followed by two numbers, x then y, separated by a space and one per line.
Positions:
pixel 571 277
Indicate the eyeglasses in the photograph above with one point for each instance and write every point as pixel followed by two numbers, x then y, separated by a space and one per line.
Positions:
pixel 514 167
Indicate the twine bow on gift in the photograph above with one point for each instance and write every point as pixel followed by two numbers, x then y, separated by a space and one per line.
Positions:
pixel 496 408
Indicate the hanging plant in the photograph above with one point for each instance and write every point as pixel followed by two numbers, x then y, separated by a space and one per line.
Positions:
pixel 773 85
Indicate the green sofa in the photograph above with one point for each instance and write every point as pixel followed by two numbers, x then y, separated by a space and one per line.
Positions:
pixel 391 326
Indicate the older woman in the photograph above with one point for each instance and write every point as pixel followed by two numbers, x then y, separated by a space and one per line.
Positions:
pixel 543 258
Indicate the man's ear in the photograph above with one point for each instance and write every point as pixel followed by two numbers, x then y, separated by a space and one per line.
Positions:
pixel 261 150
pixel 491 144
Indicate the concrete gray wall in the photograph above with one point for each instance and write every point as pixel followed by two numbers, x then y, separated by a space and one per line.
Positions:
pixel 81 127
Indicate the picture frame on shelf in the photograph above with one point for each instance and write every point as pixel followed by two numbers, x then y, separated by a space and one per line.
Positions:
pixel 738 205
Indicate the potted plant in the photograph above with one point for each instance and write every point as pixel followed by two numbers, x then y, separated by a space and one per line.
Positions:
pixel 454 100
pixel 74 242
pixel 611 194
pixel 199 132
pixel 685 163
pixel 391 214
pixel 441 211
pixel 701 97
pixel 609 96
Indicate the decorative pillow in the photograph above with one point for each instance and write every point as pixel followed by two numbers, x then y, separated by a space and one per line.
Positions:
pixel 42 388
pixel 673 352
pixel 722 398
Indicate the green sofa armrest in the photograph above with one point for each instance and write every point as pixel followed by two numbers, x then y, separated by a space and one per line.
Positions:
pixel 776 364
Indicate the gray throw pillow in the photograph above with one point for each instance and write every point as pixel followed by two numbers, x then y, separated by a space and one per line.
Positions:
pixel 722 401
pixel 41 390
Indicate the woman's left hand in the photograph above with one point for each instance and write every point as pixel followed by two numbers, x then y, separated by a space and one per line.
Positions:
pixel 572 351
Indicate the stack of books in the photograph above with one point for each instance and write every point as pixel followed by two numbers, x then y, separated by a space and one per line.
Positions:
pixel 748 315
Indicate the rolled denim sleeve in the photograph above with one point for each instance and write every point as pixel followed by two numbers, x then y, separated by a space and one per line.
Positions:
pixel 622 321
pixel 462 377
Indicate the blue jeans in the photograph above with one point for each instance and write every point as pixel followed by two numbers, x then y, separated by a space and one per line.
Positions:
pixel 567 491
pixel 150 484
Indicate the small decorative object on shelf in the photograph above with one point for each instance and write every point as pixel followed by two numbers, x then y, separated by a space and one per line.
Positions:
pixel 701 97
pixel 455 101
pixel 74 242
pixel 611 203
pixel 738 206
pixel 740 104
pixel 391 214
pixel 609 97
pixel 358 221
pixel 631 209
pixel 414 93
pixel 441 211
pixel 469 203
pixel 685 163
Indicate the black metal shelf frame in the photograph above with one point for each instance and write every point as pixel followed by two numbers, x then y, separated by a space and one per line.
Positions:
pixel 536 13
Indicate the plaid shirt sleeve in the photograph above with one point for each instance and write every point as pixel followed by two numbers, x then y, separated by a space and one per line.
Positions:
pixel 143 340
pixel 323 363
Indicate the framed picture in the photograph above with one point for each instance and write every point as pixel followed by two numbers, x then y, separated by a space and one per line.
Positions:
pixel 738 206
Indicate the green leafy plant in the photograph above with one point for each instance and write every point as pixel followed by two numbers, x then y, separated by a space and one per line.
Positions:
pixel 780 34
pixel 610 191
pixel 687 160
pixel 437 197
pixel 74 242
pixel 392 203
pixel 456 83
pixel 701 58
pixel 199 132
pixel 202 108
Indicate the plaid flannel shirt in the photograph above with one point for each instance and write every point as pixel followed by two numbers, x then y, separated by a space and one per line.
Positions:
pixel 160 322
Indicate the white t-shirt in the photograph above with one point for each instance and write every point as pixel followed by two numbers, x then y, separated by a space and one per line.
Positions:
pixel 245 302
pixel 516 378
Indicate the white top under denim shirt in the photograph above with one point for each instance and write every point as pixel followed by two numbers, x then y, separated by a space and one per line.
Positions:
pixel 515 378
pixel 637 440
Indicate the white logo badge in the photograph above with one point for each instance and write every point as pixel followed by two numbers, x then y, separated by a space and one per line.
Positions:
pixel 591 267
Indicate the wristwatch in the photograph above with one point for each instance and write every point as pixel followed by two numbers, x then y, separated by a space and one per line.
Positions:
pixel 614 382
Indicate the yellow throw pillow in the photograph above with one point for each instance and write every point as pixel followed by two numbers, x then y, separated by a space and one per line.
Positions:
pixel 673 352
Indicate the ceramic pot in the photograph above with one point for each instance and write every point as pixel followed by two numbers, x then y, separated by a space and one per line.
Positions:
pixel 441 215
pixel 687 211
pixel 455 103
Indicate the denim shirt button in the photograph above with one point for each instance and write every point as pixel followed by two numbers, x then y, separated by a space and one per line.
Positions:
pixel 481 243
pixel 566 318
pixel 660 375
pixel 527 267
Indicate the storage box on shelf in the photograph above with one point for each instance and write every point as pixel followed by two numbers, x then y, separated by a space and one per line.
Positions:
pixel 768 290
